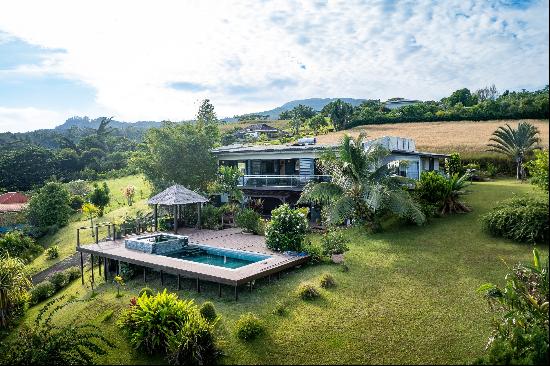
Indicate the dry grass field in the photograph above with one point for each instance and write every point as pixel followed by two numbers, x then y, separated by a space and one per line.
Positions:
pixel 461 136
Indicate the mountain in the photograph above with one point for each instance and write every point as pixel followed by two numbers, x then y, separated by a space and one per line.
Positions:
pixel 315 103
pixel 85 122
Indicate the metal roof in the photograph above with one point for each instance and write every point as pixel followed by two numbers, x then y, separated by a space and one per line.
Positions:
pixel 240 148
pixel 176 195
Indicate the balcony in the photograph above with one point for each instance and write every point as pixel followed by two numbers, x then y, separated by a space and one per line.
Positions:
pixel 280 181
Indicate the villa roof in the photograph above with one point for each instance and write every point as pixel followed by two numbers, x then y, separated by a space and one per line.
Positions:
pixel 261 127
pixel 176 195
pixel 13 197
pixel 240 148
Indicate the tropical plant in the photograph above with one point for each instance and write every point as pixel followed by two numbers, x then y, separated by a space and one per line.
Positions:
pixel 363 187
pixel 14 285
pixel 327 281
pixel 211 217
pixel 287 229
pixel 248 220
pixel 129 192
pixel 100 197
pixel 44 343
pixel 194 343
pixel 16 244
pixel 538 169
pixel 208 311
pixel 145 291
pixel 339 112
pixel 52 252
pixel 443 192
pixel 227 182
pixel 522 219
pixel 515 143
pixel 249 326
pixel 453 164
pixel 520 326
pixel 119 281
pixel 90 210
pixel 334 242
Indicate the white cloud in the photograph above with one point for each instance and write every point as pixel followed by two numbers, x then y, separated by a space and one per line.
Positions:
pixel 27 119
pixel 132 51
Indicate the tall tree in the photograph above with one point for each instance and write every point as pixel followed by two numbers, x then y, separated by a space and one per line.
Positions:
pixel 363 187
pixel 339 112
pixel 463 96
pixel 298 115
pixel 207 121
pixel 49 206
pixel 515 143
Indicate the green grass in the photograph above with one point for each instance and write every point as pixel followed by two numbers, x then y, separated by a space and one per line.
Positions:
pixel 65 238
pixel 409 297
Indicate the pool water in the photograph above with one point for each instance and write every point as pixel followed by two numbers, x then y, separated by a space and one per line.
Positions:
pixel 225 258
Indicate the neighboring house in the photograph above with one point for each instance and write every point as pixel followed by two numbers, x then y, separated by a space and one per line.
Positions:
pixel 278 173
pixel 395 103
pixel 13 202
pixel 257 130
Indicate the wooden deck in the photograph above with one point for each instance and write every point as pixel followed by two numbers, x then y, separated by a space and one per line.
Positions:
pixel 229 238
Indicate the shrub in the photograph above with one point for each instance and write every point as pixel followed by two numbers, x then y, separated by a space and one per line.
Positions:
pixel 52 252
pixel 522 219
pixel 520 332
pixel 334 242
pixel 248 220
pixel 211 217
pixel 73 273
pixel 47 344
pixel 436 189
pixel 281 308
pixel 287 229
pixel 127 270
pixel 327 281
pixel 100 197
pixel 13 288
pixel 249 326
pixel 76 202
pixel 49 206
pixel 307 291
pixel 208 311
pixel 538 169
pixel 153 319
pixel 314 251
pixel 454 164
pixel 145 291
pixel 42 291
pixel 59 280
pixel 15 244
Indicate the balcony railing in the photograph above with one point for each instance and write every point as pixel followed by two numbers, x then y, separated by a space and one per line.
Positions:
pixel 280 181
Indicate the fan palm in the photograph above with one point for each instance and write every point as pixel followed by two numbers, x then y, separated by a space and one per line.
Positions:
pixel 362 187
pixel 515 143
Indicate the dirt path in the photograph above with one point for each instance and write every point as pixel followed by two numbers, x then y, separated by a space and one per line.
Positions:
pixel 73 260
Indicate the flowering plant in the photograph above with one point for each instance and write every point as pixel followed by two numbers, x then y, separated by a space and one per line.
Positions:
pixel 287 229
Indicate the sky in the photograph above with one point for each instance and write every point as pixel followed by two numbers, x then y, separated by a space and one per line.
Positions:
pixel 156 60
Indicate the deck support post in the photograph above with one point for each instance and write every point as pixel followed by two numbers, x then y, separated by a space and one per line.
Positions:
pixel 98 265
pixel 219 290
pixel 199 215
pixel 117 268
pixel 236 294
pixel 269 279
pixel 156 214
pixel 96 234
pixel 77 238
pixel 175 219
pixel 82 267
pixel 198 286
pixel 179 282
pixel 162 277
pixel 92 265
pixel 144 274
pixel 105 269
pixel 250 286
pixel 278 275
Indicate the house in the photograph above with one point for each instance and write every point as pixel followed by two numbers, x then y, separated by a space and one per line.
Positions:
pixel 395 103
pixel 13 202
pixel 278 173
pixel 257 130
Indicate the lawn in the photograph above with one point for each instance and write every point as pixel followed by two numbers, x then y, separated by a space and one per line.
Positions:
pixel 65 238
pixel 409 297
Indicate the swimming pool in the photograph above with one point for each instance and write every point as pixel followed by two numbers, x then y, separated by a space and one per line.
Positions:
pixel 225 258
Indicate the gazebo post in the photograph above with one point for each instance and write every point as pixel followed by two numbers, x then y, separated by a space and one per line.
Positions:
pixel 156 217
pixel 175 219
pixel 199 215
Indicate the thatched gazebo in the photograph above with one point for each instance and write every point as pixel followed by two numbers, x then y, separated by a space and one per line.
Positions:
pixel 176 196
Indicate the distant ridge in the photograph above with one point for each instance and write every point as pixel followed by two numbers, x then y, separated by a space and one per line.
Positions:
pixel 86 122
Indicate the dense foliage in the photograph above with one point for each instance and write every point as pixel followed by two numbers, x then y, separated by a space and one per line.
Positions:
pixel 18 245
pixel 208 311
pixel 442 192
pixel 249 326
pixel 99 197
pixel 14 285
pixel 538 169
pixel 522 219
pixel 334 242
pixel 248 220
pixel 44 343
pixel 164 323
pixel 287 229
pixel 49 206
pixel 520 330
pixel 211 217
pixel 53 284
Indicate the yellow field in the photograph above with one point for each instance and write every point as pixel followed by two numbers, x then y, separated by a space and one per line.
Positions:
pixel 462 136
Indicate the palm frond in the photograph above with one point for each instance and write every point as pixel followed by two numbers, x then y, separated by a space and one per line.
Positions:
pixel 320 194
pixel 342 209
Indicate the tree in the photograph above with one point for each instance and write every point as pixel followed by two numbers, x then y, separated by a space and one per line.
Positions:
pixel 26 167
pixel 207 121
pixel 90 210
pixel 100 197
pixel 362 187
pixel 515 143
pixel 227 182
pixel 177 153
pixel 14 285
pixel 433 188
pixel 298 115
pixel 49 206
pixel 339 112
pixel 317 122
pixel 487 93
pixel 16 244
pixel 538 169
pixel 463 96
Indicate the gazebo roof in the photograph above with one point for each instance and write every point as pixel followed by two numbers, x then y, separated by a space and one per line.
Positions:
pixel 176 195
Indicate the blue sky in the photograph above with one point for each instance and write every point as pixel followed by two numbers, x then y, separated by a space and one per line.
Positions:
pixel 157 60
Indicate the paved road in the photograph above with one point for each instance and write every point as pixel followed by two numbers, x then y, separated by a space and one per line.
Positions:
pixel 73 260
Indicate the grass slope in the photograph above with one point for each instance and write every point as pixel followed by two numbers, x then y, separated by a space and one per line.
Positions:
pixel 65 238
pixel 409 297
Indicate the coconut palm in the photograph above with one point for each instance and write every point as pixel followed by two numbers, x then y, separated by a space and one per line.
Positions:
pixel 13 286
pixel 515 143
pixel 363 186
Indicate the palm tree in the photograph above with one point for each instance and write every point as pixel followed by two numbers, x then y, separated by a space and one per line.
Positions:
pixel 515 143
pixel 362 187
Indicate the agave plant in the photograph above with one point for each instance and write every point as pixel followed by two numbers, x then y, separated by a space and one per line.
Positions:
pixel 363 186
pixel 515 143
